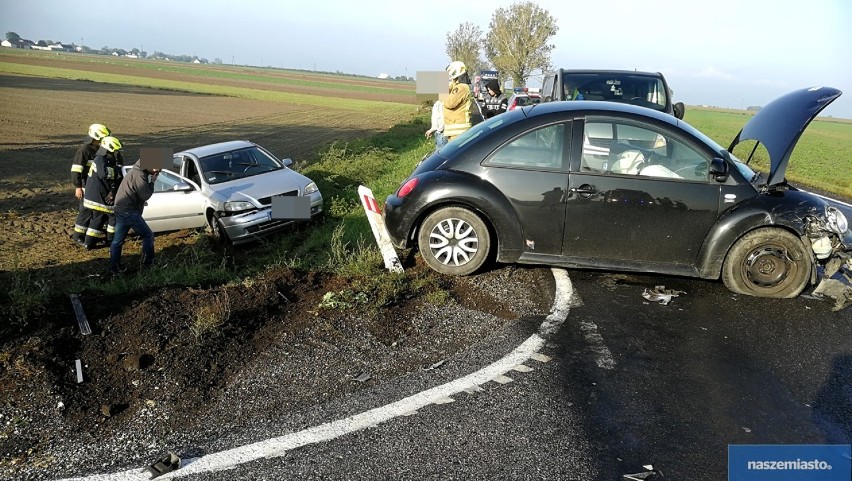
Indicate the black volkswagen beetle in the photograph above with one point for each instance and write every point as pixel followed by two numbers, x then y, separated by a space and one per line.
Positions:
pixel 610 186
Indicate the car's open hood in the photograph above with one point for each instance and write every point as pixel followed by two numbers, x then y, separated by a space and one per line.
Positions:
pixel 780 123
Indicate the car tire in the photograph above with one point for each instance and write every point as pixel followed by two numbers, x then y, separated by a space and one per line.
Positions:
pixel 767 262
pixel 217 230
pixel 454 241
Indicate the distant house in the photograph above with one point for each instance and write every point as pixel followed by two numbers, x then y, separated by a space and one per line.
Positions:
pixel 383 76
pixel 131 55
pixel 19 44
pixel 196 61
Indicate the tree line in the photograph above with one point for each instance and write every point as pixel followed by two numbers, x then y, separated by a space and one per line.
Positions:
pixel 516 44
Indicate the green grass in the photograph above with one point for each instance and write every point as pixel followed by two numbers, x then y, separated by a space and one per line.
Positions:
pixel 272 76
pixel 822 157
pixel 201 88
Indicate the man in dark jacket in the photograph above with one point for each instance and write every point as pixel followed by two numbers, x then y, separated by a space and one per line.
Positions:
pixel 80 166
pixel 136 188
pixel 496 103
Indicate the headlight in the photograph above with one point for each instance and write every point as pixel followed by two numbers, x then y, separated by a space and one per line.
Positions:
pixel 311 188
pixel 238 206
pixel 835 220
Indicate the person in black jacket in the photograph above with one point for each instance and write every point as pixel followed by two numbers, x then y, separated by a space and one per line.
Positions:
pixel 80 166
pixel 136 188
pixel 496 103
pixel 104 177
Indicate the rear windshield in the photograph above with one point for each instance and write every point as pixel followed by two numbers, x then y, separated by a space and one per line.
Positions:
pixel 627 88
pixel 526 100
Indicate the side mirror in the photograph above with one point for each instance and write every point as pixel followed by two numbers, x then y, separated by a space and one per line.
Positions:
pixel 287 162
pixel 719 169
pixel 182 186
pixel 679 110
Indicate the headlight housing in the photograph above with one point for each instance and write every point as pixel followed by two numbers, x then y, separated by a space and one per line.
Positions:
pixel 835 220
pixel 311 188
pixel 238 206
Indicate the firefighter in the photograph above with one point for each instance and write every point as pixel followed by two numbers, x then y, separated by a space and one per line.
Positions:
pixel 101 186
pixel 79 172
pixel 458 103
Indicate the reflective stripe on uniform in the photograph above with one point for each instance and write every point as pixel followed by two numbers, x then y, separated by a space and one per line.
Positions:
pixel 110 229
pixel 79 229
pixel 95 233
pixel 90 204
pixel 77 168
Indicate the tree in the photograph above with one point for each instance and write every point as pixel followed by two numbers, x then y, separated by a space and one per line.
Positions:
pixel 517 40
pixel 217 61
pixel 464 44
pixel 13 37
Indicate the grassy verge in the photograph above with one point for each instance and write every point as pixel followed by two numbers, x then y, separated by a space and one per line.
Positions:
pixel 822 157
pixel 341 244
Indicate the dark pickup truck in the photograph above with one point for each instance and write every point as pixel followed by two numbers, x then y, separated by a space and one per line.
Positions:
pixel 646 89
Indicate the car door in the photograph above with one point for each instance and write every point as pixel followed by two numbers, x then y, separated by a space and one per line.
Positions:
pixel 639 195
pixel 173 206
pixel 531 171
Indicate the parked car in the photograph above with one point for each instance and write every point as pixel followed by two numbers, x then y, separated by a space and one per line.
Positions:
pixel 522 99
pixel 614 186
pixel 227 187
pixel 648 89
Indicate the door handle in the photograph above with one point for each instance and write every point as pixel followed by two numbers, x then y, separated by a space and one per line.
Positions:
pixel 584 191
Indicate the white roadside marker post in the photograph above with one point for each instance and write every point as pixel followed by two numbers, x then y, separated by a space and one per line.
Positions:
pixel 380 231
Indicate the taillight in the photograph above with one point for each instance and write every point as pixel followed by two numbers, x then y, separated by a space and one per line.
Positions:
pixel 407 187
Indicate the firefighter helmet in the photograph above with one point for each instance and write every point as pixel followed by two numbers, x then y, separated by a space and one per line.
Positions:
pixel 111 144
pixel 456 69
pixel 98 131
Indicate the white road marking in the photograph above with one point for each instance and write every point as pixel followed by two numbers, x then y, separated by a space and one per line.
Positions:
pixel 603 356
pixel 276 447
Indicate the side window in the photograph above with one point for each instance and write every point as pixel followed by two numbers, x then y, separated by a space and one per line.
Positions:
pixel 623 148
pixel 166 182
pixel 547 88
pixel 537 149
pixel 177 161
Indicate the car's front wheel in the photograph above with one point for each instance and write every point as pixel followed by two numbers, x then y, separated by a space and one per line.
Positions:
pixel 767 263
pixel 454 241
pixel 217 230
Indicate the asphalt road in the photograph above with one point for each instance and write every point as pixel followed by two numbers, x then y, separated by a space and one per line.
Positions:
pixel 630 383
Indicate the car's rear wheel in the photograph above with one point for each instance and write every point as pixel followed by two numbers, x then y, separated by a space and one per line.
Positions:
pixel 767 263
pixel 454 241
pixel 217 230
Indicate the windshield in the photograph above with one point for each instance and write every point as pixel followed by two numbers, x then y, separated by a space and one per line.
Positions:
pixel 237 164
pixel 448 150
pixel 642 90
pixel 745 170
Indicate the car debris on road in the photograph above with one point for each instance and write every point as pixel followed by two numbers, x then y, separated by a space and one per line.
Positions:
pixel 661 295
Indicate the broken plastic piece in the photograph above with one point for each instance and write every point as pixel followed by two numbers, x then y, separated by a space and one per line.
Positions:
pixel 661 294
pixel 650 473
pixel 166 464
pixel 837 290
pixel 81 316
pixel 364 376
pixel 436 365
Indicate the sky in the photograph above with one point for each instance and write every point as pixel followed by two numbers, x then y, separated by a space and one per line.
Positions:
pixel 726 53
